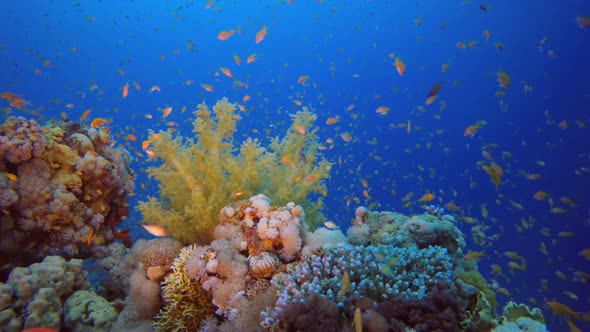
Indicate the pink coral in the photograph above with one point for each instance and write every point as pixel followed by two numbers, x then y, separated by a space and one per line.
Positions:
pixel 60 196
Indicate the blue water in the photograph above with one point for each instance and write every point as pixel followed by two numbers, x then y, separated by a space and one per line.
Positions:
pixel 346 48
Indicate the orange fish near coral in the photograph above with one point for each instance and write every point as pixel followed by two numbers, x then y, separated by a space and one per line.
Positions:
pixel 261 34
pixel 426 198
pixel 155 230
pixel 98 122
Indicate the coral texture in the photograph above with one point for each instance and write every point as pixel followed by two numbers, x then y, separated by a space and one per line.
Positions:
pixel 186 304
pixel 197 178
pixel 64 188
pixel 378 272
pixel 87 311
pixel 33 296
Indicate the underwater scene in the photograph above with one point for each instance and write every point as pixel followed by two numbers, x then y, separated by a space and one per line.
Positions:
pixel 289 165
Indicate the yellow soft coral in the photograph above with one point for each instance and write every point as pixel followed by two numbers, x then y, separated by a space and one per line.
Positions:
pixel 186 303
pixel 199 177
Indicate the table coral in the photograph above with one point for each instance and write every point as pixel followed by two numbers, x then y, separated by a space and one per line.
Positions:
pixel 198 177
pixel 66 192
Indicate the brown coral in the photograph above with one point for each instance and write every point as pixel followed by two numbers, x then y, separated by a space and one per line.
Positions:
pixel 66 193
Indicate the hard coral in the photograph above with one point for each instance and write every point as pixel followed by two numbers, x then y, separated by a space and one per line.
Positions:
pixel 33 296
pixel 197 178
pixel 67 191
pixel 435 313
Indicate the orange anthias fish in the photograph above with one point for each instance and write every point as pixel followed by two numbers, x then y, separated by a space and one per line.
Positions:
pixel 251 58
pixel 504 79
pixel 383 110
pixel 224 35
pixel 302 79
pixel 261 34
pixel 426 198
pixel 98 122
pixel 433 93
pixel 125 90
pixel 237 60
pixel 226 71
pixel 207 87
pixel 471 130
pixel 540 195
pixel 155 230
pixel 166 112
pixel 400 66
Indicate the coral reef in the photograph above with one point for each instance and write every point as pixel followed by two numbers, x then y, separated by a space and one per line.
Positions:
pixel 86 311
pixel 186 304
pixel 419 231
pixel 34 297
pixel 378 272
pixel 64 189
pixel 197 178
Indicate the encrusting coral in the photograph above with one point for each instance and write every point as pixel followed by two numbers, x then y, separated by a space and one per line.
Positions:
pixel 64 189
pixel 52 294
pixel 197 178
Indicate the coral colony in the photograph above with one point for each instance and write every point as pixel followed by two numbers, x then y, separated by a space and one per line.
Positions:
pixel 246 251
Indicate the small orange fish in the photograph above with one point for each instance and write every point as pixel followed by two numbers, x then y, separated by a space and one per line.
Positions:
pixel 312 177
pixel 12 177
pixel 486 34
pixel 207 87
pixel 224 35
pixel 90 236
pixel 251 58
pixel 300 129
pixel 155 88
pixel 237 60
pixel 302 79
pixel 137 86
pixel 125 90
pixel 426 198
pixel 433 93
pixel 382 110
pixel 155 230
pixel 261 34
pixel 85 115
pixel 131 137
pixel 503 79
pixel 98 122
pixel 246 99
pixel 346 136
pixel 540 195
pixel 226 71
pixel 145 144
pixel 400 66
pixel 166 112
pixel 19 103
pixel 332 120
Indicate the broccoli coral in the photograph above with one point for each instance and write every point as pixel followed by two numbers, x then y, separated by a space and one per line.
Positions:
pixel 197 178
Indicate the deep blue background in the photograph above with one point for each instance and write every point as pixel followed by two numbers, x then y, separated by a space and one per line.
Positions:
pixel 346 49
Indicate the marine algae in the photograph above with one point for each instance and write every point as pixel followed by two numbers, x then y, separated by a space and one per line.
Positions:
pixel 198 177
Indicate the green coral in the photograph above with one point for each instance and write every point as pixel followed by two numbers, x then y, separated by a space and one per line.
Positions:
pixel 474 278
pixel 186 303
pixel 513 311
pixel 198 177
